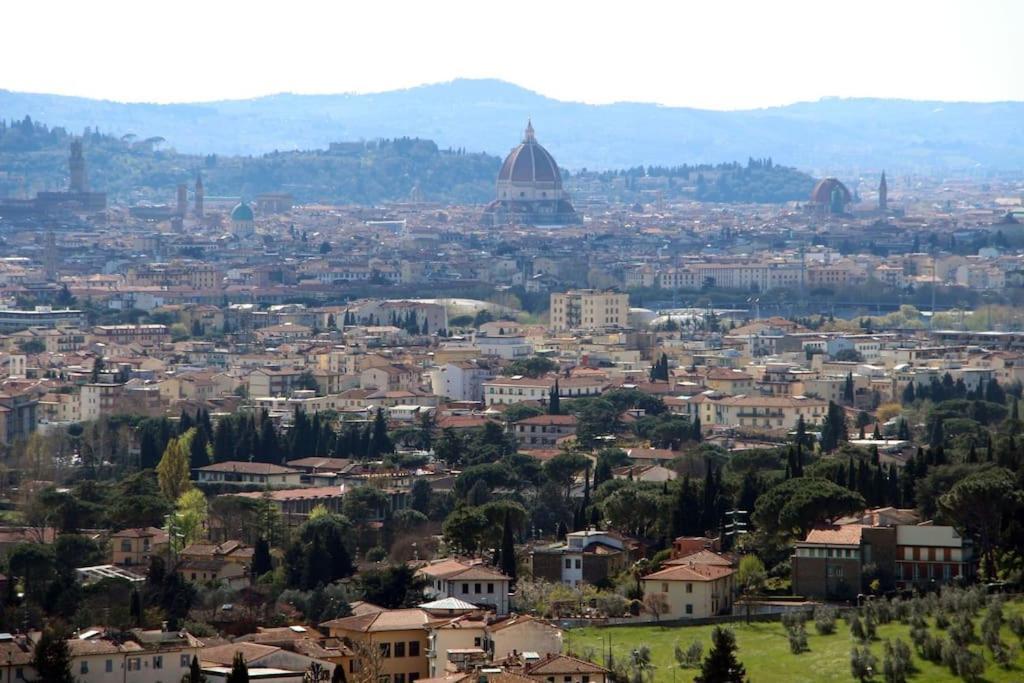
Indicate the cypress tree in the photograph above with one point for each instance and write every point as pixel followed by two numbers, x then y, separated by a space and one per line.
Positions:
pixel 508 548
pixel 239 671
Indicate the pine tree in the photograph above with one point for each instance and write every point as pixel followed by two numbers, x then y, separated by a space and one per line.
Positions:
pixel 721 665
pixel 52 658
pixel 848 389
pixel 696 431
pixel 909 393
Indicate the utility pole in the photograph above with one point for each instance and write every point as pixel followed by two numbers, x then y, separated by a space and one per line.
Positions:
pixel 735 525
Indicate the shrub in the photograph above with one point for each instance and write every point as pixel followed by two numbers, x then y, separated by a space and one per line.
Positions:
pixel 856 627
pixel 691 657
pixel 896 663
pixel 870 626
pixel 941 620
pixel 797 639
pixel 825 619
pixel 376 554
pixel 931 648
pixel 1017 626
pixel 961 631
pixel 862 663
pixel 970 665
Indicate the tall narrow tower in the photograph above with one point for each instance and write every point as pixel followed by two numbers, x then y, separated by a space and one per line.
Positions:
pixel 76 165
pixel 199 196
pixel 883 194
pixel 50 257
pixel 182 208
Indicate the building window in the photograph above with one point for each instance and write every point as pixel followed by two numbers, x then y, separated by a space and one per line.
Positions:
pixel 186 661
pixel 109 665
pixel 664 588
pixel 689 588
pixel 385 649
pixel 158 661
pixel 465 588
pixel 568 563
pixel 414 648
pixel 399 678
pixel 689 609
pixel 126 546
pixel 490 588
pixel 84 667
pixel 400 649
pixel 578 564
pixel 476 588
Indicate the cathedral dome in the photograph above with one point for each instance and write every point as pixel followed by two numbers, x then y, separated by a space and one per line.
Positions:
pixel 822 192
pixel 530 163
pixel 242 212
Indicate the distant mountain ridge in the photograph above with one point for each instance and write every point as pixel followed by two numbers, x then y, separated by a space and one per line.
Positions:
pixel 830 135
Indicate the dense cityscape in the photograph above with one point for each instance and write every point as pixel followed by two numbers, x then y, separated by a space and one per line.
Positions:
pixel 388 411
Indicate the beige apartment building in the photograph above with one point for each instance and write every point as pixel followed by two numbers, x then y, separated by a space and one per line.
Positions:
pixel 589 309
pixel 692 590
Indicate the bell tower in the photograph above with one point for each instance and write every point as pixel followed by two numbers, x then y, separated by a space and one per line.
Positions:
pixel 76 166
pixel 199 196
pixel 883 194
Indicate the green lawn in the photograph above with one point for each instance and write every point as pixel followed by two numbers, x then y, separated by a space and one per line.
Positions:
pixel 764 650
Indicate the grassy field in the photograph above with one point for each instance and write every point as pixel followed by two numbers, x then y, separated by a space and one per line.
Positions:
pixel 764 651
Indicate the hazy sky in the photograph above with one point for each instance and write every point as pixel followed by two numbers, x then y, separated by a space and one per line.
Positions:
pixel 708 53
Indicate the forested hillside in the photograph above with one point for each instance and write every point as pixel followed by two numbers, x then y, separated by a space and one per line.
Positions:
pixel 33 156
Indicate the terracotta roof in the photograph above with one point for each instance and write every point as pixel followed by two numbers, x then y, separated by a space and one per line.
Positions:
pixel 549 420
pixel 247 468
pixel 702 557
pixel 386 620
pixel 564 664
pixel 225 654
pixel 847 534
pixel 690 572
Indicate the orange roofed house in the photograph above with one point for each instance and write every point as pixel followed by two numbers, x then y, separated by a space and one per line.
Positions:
pixel 476 584
pixel 400 635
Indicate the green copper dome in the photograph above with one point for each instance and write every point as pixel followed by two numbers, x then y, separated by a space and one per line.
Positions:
pixel 242 212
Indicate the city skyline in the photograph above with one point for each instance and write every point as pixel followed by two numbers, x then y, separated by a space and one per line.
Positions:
pixel 692 56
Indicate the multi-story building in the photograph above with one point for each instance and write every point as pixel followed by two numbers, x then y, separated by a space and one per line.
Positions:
pixel 543 431
pixel 476 584
pixel 40 316
pixel 191 275
pixel 589 556
pixel 589 309
pixel 399 634
pixel 509 390
pixel 461 380
pixel 693 590
pixel 135 547
pixel 249 473
pixel 131 334
pixel 831 561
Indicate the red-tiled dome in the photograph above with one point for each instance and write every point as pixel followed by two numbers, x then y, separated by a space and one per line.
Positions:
pixel 529 163
pixel 822 192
